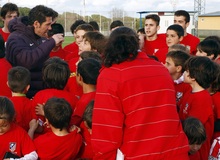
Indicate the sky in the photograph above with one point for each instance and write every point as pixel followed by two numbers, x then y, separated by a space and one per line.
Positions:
pixel 104 7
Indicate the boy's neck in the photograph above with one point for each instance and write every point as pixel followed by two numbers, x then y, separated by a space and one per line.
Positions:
pixel 152 38
pixel 59 132
pixel 196 87
pixel 87 88
pixel 176 76
pixel 18 94
pixel 5 29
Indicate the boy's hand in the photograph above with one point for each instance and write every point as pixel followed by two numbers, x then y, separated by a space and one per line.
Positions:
pixel 73 128
pixel 39 110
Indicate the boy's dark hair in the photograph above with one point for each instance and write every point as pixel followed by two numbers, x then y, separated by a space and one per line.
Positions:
pixel 154 17
pixel 2 47
pixel 7 111
pixel 194 130
pixel 39 13
pixel 87 115
pixel 184 14
pixel 55 73
pixel 202 69
pixel 55 28
pixel 76 24
pixel 95 25
pixel 216 38
pixel 210 47
pixel 91 54
pixel 122 45
pixel 177 28
pixel 9 7
pixel 18 79
pixel 89 70
pixel 179 58
pixel 116 23
pixel 97 41
pixel 86 27
pixel 141 30
pixel 58 112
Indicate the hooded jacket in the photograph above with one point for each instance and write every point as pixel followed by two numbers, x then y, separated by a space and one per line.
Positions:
pixel 25 48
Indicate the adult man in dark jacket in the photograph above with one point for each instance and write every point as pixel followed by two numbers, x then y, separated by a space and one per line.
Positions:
pixel 27 44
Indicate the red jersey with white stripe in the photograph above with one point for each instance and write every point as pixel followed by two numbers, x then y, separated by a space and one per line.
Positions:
pixel 215 149
pixel 135 111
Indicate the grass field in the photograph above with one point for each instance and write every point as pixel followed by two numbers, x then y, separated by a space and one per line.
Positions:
pixel 68 40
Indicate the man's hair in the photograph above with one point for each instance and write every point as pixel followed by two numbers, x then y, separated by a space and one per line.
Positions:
pixel 39 13
pixel 95 25
pixel 122 45
pixel 2 47
pixel 116 23
pixel 184 14
pixel 55 73
pixel 86 27
pixel 203 69
pixel 91 54
pixel 7 111
pixel 18 79
pixel 58 112
pixel 9 7
pixel 87 115
pixel 89 70
pixel 194 130
pixel 179 47
pixel 210 47
pixel 177 28
pixel 76 24
pixel 56 28
pixel 154 17
pixel 97 41
pixel 179 58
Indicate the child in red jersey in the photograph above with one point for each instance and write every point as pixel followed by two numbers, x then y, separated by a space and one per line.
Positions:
pixel 87 73
pixel 19 82
pixel 13 138
pixel 208 48
pixel 174 35
pixel 55 75
pixel 8 12
pixel 196 135
pixel 73 48
pixel 200 72
pixel 175 61
pixel 57 50
pixel 58 144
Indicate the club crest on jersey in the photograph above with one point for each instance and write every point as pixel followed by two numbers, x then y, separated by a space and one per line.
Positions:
pixel 179 95
pixel 12 146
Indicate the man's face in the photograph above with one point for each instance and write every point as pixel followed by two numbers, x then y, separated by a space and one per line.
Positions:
pixel 9 16
pixel 180 20
pixel 42 29
pixel 172 38
pixel 151 28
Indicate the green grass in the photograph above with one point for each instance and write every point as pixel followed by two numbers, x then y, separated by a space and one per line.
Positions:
pixel 68 40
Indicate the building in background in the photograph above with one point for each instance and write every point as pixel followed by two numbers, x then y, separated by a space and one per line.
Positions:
pixel 209 24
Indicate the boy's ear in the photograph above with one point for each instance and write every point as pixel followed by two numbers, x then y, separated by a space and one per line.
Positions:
pixel 179 69
pixel 181 38
pixel 27 88
pixel 187 24
pixel 211 56
pixel 7 84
